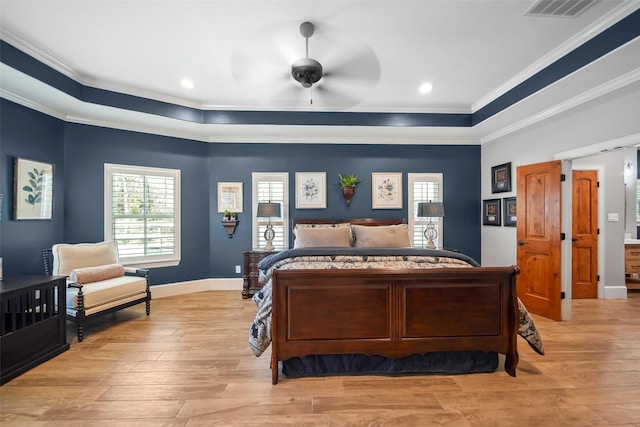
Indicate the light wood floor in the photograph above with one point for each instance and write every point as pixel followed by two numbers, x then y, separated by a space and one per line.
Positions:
pixel 189 364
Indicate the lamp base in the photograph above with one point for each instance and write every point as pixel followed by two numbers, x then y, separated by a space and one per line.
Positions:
pixel 269 234
pixel 430 233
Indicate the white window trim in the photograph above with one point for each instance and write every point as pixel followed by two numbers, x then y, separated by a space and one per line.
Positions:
pixel 147 261
pixel 269 176
pixel 419 177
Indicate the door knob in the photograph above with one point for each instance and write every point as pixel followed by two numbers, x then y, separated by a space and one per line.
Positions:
pixel 520 242
pixel 574 239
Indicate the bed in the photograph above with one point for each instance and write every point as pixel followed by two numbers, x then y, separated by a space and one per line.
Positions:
pixel 351 297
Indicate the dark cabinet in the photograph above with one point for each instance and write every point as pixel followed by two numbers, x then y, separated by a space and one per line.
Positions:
pixel 32 328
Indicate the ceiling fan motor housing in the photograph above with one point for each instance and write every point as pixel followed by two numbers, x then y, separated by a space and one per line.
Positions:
pixel 306 71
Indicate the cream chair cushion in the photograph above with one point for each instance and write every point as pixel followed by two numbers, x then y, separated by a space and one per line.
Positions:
pixel 68 257
pixel 106 293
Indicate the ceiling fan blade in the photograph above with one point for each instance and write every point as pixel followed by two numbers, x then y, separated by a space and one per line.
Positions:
pixel 360 65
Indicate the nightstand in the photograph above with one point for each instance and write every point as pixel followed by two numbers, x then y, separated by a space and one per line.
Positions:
pixel 250 272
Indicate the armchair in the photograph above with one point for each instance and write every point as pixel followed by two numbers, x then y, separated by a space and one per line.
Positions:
pixel 96 283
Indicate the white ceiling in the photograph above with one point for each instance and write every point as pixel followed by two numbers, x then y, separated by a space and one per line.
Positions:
pixel 375 55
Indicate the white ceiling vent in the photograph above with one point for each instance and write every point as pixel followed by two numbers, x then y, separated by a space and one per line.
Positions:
pixel 562 8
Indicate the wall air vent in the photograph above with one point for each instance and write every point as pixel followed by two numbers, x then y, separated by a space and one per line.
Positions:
pixel 562 8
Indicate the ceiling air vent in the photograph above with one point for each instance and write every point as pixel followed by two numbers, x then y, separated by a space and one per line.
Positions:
pixel 563 8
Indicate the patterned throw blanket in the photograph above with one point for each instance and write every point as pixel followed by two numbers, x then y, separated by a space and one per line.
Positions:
pixel 359 258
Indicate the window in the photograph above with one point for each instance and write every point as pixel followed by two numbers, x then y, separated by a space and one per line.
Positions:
pixel 424 187
pixel 271 187
pixel 142 214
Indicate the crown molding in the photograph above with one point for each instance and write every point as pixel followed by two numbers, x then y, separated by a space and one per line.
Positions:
pixel 6 94
pixel 574 42
pixel 576 101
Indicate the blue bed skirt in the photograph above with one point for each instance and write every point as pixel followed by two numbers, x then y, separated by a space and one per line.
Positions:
pixel 442 363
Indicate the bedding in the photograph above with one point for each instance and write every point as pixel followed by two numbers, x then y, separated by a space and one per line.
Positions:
pixel 360 258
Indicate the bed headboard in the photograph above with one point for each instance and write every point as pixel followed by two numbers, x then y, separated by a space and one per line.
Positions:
pixel 357 221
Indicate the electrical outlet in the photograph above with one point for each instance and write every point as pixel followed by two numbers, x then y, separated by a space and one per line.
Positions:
pixel 238 269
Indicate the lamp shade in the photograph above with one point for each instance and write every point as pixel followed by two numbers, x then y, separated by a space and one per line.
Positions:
pixel 431 209
pixel 268 210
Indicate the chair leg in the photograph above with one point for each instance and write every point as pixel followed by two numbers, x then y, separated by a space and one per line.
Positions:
pixel 80 332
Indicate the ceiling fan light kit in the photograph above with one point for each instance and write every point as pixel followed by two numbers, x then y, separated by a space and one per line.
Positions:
pixel 306 71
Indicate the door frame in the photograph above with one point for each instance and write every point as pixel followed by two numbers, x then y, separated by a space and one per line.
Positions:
pixel 601 225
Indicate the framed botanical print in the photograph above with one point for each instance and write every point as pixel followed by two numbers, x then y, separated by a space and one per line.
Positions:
pixel 230 196
pixel 510 216
pixel 491 212
pixel 33 191
pixel 311 190
pixel 386 190
pixel 501 178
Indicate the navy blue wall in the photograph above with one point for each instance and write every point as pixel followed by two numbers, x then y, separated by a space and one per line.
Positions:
pixel 35 136
pixel 88 148
pixel 459 164
pixel 80 151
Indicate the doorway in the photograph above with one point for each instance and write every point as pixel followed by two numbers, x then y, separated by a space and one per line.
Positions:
pixel 584 235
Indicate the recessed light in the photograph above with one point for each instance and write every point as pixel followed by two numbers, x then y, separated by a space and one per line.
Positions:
pixel 426 87
pixel 187 83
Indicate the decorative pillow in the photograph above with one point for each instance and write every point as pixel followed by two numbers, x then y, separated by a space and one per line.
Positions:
pixel 388 236
pixel 96 274
pixel 308 237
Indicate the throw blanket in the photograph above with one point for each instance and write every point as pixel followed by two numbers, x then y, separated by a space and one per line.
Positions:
pixel 357 258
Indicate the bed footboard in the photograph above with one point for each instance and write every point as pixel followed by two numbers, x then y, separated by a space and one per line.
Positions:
pixel 394 313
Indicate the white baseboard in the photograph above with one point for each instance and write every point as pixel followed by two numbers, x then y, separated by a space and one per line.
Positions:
pixel 615 292
pixel 181 288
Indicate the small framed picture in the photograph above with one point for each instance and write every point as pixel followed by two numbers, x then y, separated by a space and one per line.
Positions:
pixel 510 216
pixel 386 189
pixel 33 192
pixel 230 196
pixel 311 190
pixel 491 212
pixel 501 178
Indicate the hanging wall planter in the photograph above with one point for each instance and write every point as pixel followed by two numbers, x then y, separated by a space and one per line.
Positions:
pixel 348 184
pixel 230 222
pixel 230 227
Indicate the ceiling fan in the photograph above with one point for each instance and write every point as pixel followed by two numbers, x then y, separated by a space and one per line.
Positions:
pixel 351 68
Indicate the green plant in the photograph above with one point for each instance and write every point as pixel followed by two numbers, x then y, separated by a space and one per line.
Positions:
pixel 349 180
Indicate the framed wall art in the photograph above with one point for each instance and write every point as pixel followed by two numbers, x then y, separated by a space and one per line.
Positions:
pixel 230 196
pixel 311 190
pixel 501 178
pixel 33 192
pixel 510 212
pixel 386 189
pixel 491 212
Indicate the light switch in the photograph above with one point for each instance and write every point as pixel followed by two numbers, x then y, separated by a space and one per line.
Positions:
pixel 613 217
pixel 237 269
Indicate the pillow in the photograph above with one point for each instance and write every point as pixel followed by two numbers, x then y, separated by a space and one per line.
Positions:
pixel 309 237
pixel 96 274
pixel 387 236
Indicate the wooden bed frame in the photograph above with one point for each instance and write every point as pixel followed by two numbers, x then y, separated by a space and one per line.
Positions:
pixel 393 313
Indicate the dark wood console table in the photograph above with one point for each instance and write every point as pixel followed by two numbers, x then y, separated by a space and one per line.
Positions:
pixel 32 327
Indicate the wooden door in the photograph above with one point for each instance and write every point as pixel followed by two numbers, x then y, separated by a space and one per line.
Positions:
pixel 584 247
pixel 538 231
